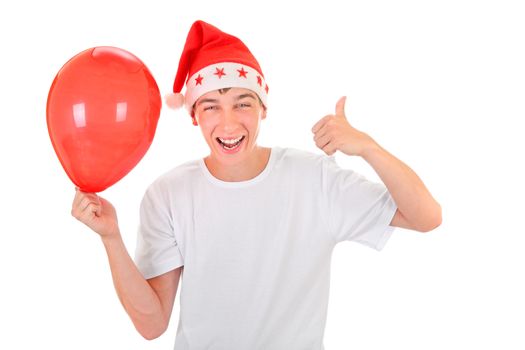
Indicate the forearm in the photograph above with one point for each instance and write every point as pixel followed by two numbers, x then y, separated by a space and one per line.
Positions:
pixel 411 196
pixel 136 295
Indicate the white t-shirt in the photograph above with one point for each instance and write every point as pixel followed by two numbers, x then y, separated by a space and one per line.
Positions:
pixel 257 253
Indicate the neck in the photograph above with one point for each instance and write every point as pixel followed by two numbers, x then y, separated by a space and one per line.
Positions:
pixel 245 170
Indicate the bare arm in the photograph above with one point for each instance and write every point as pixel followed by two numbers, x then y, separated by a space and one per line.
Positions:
pixel 417 209
pixel 148 302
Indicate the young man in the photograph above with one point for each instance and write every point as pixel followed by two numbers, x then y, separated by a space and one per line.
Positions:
pixel 250 229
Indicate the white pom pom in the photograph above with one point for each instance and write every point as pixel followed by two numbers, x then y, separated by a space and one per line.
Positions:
pixel 174 101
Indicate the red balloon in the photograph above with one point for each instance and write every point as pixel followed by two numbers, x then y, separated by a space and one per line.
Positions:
pixel 102 113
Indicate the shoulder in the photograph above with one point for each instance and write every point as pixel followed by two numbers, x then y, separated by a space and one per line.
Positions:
pixel 302 167
pixel 299 158
pixel 176 178
pixel 306 162
pixel 319 169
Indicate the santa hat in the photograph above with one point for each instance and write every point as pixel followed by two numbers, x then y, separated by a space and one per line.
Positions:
pixel 213 60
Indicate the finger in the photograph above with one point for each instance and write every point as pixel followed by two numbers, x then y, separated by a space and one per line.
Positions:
pixel 93 196
pixel 321 133
pixel 83 205
pixel 76 205
pixel 79 195
pixel 94 208
pixel 94 199
pixel 340 107
pixel 79 209
pixel 321 123
pixel 329 128
pixel 89 213
pixel 86 201
pixel 329 149
pixel 323 141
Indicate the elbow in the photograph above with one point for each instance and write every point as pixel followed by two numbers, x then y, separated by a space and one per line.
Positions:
pixel 151 334
pixel 433 221
pixel 151 331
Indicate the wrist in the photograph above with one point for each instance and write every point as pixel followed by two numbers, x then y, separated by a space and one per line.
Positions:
pixel 111 239
pixel 369 148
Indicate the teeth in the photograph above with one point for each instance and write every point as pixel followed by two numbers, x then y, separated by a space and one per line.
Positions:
pixel 230 141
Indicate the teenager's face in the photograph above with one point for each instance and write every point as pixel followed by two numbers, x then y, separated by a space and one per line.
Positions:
pixel 230 123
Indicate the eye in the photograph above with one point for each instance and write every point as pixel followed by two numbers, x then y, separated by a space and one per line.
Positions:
pixel 209 108
pixel 244 105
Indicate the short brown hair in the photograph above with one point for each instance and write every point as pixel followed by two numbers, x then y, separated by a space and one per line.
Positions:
pixel 222 92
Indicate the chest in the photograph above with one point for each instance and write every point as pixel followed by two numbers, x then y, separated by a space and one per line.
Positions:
pixel 246 226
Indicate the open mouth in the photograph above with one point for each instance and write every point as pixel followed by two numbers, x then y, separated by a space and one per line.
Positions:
pixel 230 144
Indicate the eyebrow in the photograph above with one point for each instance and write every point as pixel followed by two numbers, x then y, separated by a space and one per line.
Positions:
pixel 240 97
pixel 204 100
pixel 213 100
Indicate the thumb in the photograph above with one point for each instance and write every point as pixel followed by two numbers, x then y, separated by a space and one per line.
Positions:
pixel 340 107
pixel 98 206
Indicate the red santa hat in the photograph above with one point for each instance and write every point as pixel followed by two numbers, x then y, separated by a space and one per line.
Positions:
pixel 213 60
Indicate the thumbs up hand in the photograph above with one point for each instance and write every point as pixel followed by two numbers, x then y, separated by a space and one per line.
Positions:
pixel 333 132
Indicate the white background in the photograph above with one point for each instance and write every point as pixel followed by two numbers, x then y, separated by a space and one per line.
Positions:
pixel 440 84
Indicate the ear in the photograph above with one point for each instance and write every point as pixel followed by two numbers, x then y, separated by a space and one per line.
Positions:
pixel 263 116
pixel 194 118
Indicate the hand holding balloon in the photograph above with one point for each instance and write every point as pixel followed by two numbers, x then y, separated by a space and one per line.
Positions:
pixel 96 212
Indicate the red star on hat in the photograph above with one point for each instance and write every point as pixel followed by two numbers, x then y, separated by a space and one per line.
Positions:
pixel 219 72
pixel 242 72
pixel 198 80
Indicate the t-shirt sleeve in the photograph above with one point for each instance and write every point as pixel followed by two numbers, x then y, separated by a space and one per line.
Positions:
pixel 157 250
pixel 358 209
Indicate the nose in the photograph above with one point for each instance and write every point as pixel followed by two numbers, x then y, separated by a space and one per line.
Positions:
pixel 229 120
